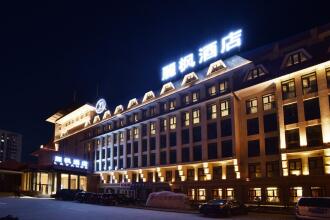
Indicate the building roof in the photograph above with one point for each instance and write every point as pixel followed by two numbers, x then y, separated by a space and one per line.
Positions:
pixel 12 165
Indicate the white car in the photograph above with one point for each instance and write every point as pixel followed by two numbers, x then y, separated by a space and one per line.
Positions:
pixel 317 208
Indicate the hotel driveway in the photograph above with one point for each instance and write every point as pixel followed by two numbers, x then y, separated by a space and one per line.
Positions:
pixel 48 209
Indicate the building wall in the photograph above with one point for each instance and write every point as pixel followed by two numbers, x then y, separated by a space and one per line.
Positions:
pixel 261 148
pixel 10 146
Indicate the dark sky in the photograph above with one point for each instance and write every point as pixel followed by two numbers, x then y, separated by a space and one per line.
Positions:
pixel 48 50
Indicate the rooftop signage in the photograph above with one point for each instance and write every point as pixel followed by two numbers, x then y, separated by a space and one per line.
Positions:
pixel 100 106
pixel 70 162
pixel 205 53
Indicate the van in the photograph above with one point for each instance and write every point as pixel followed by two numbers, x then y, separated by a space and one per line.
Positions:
pixel 313 208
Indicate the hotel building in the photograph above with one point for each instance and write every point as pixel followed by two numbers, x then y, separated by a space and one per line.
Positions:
pixel 254 126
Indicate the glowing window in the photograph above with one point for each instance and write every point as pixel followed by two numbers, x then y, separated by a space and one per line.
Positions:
pixel 185 118
pixel 196 116
pixel 152 128
pixel 272 194
pixel 224 108
pixel 173 122
pixel 252 106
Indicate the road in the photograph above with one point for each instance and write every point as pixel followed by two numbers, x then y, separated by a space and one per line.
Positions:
pixel 49 209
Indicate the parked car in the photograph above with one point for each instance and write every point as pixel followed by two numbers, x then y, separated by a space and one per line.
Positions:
pixel 94 198
pixel 66 194
pixel 222 207
pixel 124 200
pixel 81 196
pixel 313 208
pixel 109 199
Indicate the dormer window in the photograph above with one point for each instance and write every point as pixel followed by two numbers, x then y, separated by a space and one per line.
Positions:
pixel 148 96
pixel 216 67
pixel 189 78
pixel 166 88
pixel 255 73
pixel 296 57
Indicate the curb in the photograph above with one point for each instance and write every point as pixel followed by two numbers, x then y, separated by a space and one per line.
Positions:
pixel 163 210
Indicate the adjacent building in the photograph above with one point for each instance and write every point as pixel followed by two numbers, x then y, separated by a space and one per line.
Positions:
pixel 254 126
pixel 10 146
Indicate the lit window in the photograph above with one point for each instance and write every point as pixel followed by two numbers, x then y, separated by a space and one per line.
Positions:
pixel 136 133
pixel 121 122
pixel 309 83
pixel 224 108
pixel 254 170
pixel 191 194
pixel 163 125
pixel 173 122
pixel 121 136
pixel 252 106
pixel 135 117
pixel 212 90
pixel 195 96
pixel 230 193
pixel 185 117
pixel 201 194
pixel 185 99
pixel 295 167
pixel 172 104
pixel 217 194
pixel 152 128
pixel 211 111
pixel 268 102
pixel 223 86
pixel 328 76
pixel 196 116
pixel 272 194
pixel 288 89
pixel 296 58
pixel 163 107
pixel 255 73
pixel 296 193
pixel 255 194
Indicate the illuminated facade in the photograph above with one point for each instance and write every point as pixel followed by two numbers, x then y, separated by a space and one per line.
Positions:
pixel 254 126
pixel 10 146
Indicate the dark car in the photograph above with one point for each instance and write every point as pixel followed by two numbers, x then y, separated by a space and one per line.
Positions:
pixel 81 196
pixel 222 207
pixel 66 194
pixel 93 198
pixel 124 199
pixel 313 208
pixel 109 199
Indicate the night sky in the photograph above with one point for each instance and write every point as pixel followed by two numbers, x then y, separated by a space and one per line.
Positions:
pixel 49 50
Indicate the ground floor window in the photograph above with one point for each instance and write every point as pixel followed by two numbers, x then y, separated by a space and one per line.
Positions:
pixel 83 183
pixel 64 181
pixel 317 191
pixel 201 194
pixel 216 193
pixel 191 194
pixel 272 194
pixel 230 193
pixel 73 182
pixel 255 194
pixel 296 193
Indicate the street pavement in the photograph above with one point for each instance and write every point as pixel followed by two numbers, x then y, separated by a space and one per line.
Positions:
pixel 49 209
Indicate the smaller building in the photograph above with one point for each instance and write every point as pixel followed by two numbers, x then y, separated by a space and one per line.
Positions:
pixel 10 146
pixel 54 172
pixel 11 176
